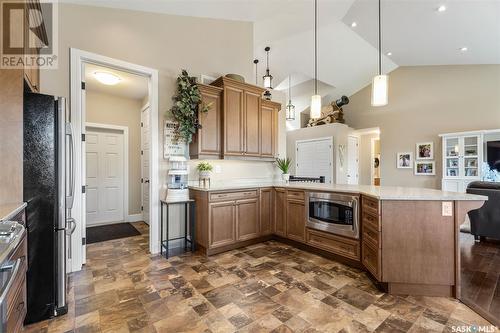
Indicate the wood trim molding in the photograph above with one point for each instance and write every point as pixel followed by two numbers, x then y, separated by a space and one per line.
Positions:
pixel 222 81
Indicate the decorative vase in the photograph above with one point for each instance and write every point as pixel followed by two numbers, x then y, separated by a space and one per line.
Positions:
pixel 285 177
pixel 204 174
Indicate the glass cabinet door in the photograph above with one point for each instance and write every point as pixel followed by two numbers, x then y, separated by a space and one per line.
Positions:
pixel 471 156
pixel 452 157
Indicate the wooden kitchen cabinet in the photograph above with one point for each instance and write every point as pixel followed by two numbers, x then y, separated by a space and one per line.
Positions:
pixel 269 129
pixel 247 219
pixel 252 124
pixel 280 212
pixel 222 227
pixel 233 123
pixel 206 142
pixel 295 218
pixel 31 73
pixel 266 211
pixel 371 243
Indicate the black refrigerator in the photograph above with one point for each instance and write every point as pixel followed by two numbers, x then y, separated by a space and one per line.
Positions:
pixel 48 191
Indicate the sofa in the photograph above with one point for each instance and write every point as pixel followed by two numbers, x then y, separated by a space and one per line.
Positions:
pixel 485 221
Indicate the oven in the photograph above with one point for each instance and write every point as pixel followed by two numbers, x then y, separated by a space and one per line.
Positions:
pixel 334 213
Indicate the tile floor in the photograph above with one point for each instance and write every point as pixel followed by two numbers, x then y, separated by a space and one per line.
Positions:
pixel 268 287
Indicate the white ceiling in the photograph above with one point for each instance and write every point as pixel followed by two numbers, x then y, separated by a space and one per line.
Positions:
pixel 131 85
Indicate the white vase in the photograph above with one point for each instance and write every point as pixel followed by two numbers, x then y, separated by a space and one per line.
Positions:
pixel 204 174
pixel 285 177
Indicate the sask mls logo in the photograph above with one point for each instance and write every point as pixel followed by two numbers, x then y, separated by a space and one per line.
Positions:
pixel 28 34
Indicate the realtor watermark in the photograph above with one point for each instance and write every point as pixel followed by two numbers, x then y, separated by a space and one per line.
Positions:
pixel 28 34
pixel 474 329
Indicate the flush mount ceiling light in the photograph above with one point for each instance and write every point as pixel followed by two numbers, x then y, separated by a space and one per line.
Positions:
pixel 107 78
pixel 389 53
pixel 441 8
pixel 463 49
pixel 354 24
pixel 380 85
pixel 315 99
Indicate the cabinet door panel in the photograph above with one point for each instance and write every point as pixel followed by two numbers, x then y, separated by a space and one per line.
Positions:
pixel 280 212
pixel 252 124
pixel 222 224
pixel 266 216
pixel 247 218
pixel 295 220
pixel 233 121
pixel 267 132
pixel 210 125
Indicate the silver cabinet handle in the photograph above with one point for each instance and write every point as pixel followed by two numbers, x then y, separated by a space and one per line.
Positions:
pixel 70 197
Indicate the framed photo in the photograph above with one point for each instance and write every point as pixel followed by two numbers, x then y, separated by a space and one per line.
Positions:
pixel 425 151
pixel 425 168
pixel 405 160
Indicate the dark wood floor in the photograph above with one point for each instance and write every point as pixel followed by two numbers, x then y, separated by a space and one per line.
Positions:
pixel 480 268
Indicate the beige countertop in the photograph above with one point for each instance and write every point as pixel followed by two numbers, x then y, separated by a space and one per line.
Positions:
pixel 379 192
pixel 8 211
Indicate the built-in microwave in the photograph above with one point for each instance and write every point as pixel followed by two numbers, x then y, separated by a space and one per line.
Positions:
pixel 334 213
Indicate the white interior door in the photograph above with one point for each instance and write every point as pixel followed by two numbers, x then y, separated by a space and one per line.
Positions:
pixel 145 147
pixel 352 160
pixel 315 158
pixel 105 176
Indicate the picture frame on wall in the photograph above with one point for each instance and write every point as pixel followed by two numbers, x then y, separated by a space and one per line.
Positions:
pixel 404 160
pixel 425 168
pixel 425 151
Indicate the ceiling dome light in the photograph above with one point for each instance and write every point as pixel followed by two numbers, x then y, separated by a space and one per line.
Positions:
pixel 464 49
pixel 389 53
pixel 441 8
pixel 107 78
pixel 354 24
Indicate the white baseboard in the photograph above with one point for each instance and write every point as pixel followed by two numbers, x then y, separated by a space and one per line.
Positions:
pixel 134 218
pixel 97 224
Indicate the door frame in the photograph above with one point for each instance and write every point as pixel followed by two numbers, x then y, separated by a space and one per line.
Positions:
pixel 144 107
pixel 124 130
pixel 78 58
pixel 372 160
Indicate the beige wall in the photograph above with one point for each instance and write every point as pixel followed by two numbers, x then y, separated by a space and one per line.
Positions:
pixel 425 101
pixel 114 110
pixel 164 42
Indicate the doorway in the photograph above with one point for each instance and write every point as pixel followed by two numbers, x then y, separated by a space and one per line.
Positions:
pixel 353 160
pixel 376 160
pixel 115 204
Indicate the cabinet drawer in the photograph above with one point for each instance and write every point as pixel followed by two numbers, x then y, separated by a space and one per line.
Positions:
pixel 295 194
pixel 371 235
pixel 342 246
pixel 15 317
pixel 370 206
pixel 371 260
pixel 372 221
pixel 233 195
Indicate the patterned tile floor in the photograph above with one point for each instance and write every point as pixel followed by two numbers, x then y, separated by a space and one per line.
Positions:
pixel 268 287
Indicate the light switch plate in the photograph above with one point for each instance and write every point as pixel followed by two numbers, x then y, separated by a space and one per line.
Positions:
pixel 447 208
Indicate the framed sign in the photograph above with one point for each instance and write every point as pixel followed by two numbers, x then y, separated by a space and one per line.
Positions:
pixel 171 146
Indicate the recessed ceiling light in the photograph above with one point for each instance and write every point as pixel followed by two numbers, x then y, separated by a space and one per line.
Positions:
pixel 107 78
pixel 389 53
pixel 464 49
pixel 354 24
pixel 441 8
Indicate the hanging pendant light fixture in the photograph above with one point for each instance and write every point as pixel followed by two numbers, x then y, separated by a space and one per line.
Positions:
pixel 256 61
pixel 380 84
pixel 315 99
pixel 268 78
pixel 290 108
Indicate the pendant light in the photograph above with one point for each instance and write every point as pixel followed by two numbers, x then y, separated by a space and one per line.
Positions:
pixel 315 99
pixel 380 84
pixel 290 108
pixel 268 78
pixel 256 61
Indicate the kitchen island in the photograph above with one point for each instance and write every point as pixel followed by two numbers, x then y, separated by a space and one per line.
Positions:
pixel 407 240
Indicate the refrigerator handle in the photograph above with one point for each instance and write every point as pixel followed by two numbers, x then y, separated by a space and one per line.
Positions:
pixel 71 195
pixel 69 231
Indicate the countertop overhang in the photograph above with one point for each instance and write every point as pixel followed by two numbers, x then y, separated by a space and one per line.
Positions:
pixel 378 192
pixel 8 211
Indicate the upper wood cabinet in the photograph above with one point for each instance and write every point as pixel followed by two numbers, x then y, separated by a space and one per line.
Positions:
pixel 31 73
pixel 207 141
pixel 251 126
pixel 269 128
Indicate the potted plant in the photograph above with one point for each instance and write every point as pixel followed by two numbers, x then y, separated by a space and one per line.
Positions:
pixel 284 165
pixel 204 169
pixel 187 103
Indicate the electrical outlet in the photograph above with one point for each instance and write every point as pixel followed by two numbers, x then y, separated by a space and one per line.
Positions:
pixel 218 169
pixel 447 208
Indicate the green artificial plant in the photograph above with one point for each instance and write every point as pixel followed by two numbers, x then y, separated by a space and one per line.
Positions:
pixel 187 103
pixel 204 166
pixel 284 164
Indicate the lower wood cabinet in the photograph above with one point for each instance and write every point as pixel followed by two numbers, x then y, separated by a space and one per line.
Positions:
pixel 247 219
pixel 280 212
pixel 343 246
pixel 222 224
pixel 371 259
pixel 296 220
pixel 266 211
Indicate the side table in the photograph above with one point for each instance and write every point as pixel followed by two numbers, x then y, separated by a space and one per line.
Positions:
pixel 189 215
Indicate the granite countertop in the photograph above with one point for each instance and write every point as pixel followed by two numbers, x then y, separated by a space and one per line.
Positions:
pixel 8 211
pixel 379 192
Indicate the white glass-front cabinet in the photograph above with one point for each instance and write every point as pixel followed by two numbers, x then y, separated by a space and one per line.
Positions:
pixel 462 156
